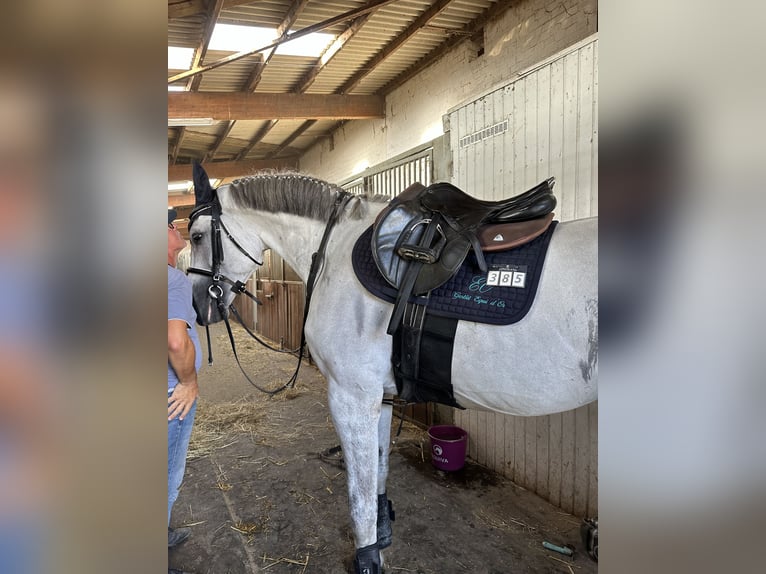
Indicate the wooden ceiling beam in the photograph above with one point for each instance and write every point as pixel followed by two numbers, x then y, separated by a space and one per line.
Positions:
pixel 222 106
pixel 222 169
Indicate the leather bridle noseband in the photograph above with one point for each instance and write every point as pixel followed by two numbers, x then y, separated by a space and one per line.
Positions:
pixel 215 291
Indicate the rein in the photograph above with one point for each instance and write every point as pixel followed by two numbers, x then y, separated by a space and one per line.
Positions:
pixel 216 292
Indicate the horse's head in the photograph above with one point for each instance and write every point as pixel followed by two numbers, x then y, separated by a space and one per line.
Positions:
pixel 223 253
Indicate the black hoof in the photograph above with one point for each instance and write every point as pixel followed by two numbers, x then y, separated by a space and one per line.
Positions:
pixel 367 560
pixel 385 517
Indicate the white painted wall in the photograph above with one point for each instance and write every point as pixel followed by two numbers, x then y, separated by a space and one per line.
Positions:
pixel 526 33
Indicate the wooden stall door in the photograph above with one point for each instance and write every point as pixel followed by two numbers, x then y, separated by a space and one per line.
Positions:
pixel 280 317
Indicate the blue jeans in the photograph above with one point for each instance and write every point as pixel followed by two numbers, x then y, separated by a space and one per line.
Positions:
pixel 179 433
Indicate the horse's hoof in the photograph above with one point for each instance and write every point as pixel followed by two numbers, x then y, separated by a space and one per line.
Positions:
pixel 385 517
pixel 367 560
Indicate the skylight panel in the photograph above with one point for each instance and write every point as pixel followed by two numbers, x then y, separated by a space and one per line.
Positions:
pixel 311 45
pixel 233 38
pixel 179 58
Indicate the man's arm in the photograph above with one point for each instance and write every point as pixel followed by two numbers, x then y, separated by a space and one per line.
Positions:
pixel 181 354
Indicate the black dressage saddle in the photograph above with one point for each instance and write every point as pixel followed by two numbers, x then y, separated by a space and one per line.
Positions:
pixel 422 237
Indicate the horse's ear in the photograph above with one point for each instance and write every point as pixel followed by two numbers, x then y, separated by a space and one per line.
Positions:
pixel 203 192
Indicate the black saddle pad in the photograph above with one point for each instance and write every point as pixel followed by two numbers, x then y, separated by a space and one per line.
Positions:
pixel 501 296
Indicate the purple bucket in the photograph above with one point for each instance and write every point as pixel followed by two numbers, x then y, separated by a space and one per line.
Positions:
pixel 448 446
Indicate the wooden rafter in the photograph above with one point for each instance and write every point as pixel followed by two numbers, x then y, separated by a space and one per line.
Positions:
pixel 292 137
pixel 219 142
pixel 180 133
pixel 266 128
pixel 222 106
pixel 330 53
pixel 199 53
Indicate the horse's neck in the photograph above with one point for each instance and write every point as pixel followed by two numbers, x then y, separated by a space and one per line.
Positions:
pixel 296 238
pixel 293 237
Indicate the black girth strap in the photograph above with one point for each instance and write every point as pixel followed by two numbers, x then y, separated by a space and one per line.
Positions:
pixel 421 357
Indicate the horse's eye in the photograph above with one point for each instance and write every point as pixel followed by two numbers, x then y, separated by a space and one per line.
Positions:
pixel 196 237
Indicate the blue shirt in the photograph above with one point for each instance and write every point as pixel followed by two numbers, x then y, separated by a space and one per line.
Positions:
pixel 180 307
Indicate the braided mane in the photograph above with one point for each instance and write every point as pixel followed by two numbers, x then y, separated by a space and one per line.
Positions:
pixel 286 192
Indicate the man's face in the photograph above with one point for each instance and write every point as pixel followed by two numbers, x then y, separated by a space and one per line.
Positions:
pixel 175 241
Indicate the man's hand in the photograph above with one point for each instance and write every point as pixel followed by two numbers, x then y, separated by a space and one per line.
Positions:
pixel 181 400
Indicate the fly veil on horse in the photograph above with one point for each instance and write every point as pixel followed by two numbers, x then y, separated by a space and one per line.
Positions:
pixel 545 362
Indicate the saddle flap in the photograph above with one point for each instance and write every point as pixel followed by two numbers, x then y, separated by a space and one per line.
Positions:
pixel 435 275
pixel 386 240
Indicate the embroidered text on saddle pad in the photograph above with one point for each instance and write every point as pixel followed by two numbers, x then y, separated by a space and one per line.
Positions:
pixel 501 296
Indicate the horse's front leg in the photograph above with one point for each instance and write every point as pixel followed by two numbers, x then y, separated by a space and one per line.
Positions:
pixel 385 509
pixel 356 415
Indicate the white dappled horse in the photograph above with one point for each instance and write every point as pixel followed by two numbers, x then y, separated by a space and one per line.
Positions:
pixel 543 364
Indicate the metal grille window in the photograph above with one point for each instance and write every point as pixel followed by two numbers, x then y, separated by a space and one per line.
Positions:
pixel 394 176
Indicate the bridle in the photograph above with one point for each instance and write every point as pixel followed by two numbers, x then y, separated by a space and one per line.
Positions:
pixel 216 225
pixel 215 291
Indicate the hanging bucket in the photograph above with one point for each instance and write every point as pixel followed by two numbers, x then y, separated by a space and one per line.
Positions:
pixel 448 446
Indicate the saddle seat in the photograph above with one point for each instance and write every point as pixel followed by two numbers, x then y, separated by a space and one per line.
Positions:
pixel 467 211
pixel 436 226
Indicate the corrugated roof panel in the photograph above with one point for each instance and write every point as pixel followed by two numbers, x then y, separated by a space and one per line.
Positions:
pixel 282 130
pixel 261 13
pixel 196 143
pixel 229 78
pixel 246 129
pixel 186 32
pixel 283 73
